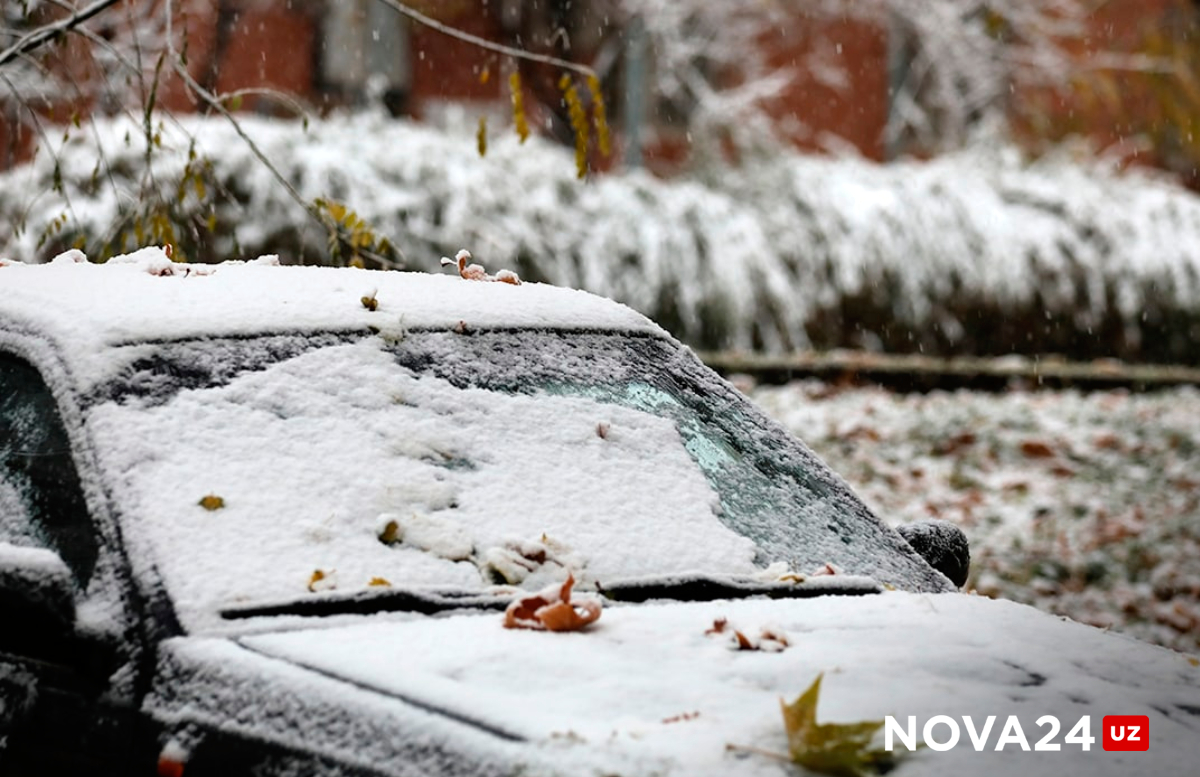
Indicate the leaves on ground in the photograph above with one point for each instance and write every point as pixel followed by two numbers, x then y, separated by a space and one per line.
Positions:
pixel 839 749
pixel 552 610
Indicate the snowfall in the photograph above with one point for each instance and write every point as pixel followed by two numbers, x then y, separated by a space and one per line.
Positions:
pixel 657 688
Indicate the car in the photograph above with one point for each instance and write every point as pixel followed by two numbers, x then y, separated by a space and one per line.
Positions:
pixel 264 519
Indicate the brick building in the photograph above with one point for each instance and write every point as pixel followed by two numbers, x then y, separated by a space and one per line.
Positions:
pixel 340 54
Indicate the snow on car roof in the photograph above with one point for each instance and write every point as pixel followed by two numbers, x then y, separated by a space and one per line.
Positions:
pixel 144 296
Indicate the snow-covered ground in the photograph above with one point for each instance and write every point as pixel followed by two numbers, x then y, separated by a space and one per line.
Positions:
pixel 1086 505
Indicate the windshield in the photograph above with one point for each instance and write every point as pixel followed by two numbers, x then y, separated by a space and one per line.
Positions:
pixel 255 472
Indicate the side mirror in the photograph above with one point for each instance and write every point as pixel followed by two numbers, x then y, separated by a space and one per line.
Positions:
pixel 37 598
pixel 942 544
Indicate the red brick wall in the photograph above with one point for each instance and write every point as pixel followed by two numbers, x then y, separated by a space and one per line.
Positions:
pixel 856 110
pixel 445 68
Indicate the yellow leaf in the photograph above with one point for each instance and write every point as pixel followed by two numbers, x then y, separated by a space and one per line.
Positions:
pixel 211 502
pixel 839 749
pixel 520 122
pixel 390 534
pixel 321 581
pixel 380 581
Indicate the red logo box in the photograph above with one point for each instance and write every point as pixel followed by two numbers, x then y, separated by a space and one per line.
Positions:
pixel 1126 732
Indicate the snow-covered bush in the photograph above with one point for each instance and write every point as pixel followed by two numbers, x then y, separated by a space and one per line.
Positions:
pixel 971 252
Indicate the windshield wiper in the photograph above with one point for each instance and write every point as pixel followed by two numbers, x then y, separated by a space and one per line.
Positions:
pixel 425 602
pixel 697 588
pixel 706 589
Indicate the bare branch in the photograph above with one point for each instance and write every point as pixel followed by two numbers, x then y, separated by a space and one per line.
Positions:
pixel 47 33
pixel 484 43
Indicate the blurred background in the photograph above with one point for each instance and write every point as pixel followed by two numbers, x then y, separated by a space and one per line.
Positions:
pixel 888 184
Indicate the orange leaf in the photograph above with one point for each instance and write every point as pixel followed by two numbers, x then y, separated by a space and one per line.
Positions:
pixel 552 610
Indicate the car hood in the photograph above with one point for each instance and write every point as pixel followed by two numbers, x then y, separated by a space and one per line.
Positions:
pixel 658 688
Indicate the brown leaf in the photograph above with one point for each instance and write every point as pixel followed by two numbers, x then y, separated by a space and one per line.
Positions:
pixel 718 626
pixel 954 444
pixel 390 534
pixel 552 610
pixel 1035 449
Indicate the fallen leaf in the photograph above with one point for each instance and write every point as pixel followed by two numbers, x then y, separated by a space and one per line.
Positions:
pixel 509 277
pixel 770 640
pixel 475 272
pixel 322 581
pixel 390 534
pixel 381 582
pixel 840 749
pixel 1034 449
pixel 211 502
pixel 954 444
pixel 552 610
pixel 682 717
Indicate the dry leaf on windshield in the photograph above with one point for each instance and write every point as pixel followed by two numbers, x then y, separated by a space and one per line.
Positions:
pixel 552 610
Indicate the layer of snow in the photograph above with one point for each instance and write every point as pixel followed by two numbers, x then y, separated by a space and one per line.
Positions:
pixel 752 253
pixel 313 458
pixel 87 308
pixel 646 690
pixel 38 569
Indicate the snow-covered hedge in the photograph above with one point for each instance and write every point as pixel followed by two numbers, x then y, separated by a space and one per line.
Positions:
pixel 973 252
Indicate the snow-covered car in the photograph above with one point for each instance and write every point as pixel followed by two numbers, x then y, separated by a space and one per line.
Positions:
pixel 275 520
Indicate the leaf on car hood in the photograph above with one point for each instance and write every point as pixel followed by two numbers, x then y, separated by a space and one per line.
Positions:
pixel 841 749
pixel 552 609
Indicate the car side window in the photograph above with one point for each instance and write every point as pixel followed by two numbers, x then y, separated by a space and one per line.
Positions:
pixel 41 500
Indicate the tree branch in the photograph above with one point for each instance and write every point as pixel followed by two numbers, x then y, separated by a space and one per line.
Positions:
pixel 43 35
pixel 484 43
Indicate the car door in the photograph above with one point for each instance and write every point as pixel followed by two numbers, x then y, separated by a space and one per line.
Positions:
pixel 60 708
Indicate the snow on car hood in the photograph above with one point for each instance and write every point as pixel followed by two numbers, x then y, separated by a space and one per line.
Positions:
pixel 646 690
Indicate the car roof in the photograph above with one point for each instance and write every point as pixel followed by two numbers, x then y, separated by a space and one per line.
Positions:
pixel 85 308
